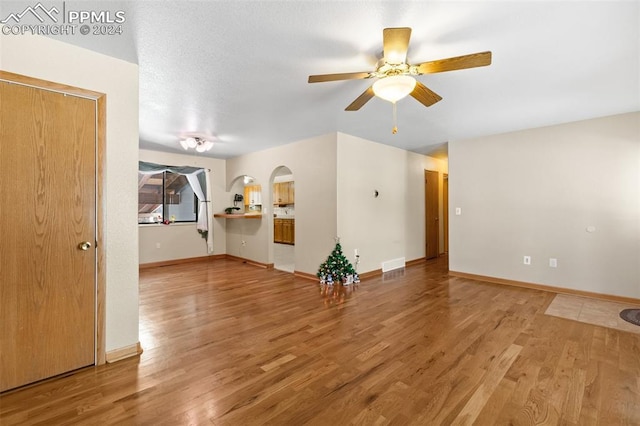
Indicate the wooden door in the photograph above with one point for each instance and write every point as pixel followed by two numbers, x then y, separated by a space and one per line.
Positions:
pixel 47 209
pixel 431 213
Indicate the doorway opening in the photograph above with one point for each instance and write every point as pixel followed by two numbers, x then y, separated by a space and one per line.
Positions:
pixel 245 200
pixel 284 212
pixel 445 211
pixel 431 214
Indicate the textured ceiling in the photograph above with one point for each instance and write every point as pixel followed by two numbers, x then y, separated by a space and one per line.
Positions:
pixel 237 70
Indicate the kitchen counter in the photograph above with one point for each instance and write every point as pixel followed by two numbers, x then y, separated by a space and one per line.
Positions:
pixel 238 215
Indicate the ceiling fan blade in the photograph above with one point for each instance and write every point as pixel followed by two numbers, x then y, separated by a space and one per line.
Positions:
pixel 473 60
pixel 395 42
pixel 335 77
pixel 424 95
pixel 361 100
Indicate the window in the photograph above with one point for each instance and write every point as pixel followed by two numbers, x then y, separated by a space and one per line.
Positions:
pixel 166 196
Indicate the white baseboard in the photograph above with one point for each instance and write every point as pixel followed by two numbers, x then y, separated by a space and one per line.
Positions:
pixel 123 353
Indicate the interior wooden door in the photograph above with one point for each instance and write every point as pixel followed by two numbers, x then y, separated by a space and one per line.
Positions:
pixel 47 213
pixel 431 213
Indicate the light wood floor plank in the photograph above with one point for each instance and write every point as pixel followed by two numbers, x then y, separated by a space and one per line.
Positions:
pixel 226 343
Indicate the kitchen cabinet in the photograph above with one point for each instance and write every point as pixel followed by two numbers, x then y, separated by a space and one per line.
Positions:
pixel 284 231
pixel 277 230
pixel 252 195
pixel 279 193
pixel 288 231
pixel 283 193
pixel 292 193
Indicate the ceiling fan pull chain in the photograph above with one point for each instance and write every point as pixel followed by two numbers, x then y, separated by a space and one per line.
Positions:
pixel 395 119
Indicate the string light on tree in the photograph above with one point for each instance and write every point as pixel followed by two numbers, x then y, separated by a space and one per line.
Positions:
pixel 337 268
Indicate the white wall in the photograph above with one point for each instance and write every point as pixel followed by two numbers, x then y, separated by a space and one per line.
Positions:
pixel 313 164
pixel 335 176
pixel 284 178
pixel 535 192
pixel 182 241
pixel 52 60
pixel 159 243
pixel 392 225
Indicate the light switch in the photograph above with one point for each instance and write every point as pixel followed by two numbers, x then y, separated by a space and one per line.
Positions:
pixel 458 211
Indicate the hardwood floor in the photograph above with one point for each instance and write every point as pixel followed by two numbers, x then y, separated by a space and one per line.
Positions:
pixel 232 344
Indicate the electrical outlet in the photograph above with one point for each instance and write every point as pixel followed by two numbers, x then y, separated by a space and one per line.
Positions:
pixel 244 243
pixel 553 263
pixel 527 260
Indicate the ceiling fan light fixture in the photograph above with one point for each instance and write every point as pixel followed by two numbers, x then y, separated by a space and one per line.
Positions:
pixel 394 87
pixel 184 144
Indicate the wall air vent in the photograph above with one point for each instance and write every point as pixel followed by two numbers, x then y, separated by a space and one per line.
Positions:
pixel 390 265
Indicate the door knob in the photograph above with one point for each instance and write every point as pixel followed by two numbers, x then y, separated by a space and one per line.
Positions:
pixel 85 245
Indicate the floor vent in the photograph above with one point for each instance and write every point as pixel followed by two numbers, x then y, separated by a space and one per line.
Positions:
pixel 390 265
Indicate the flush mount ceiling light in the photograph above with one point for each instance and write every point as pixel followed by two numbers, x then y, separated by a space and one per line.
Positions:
pixel 200 145
pixel 394 88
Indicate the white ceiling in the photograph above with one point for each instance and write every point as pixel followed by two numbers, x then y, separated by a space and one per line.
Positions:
pixel 237 70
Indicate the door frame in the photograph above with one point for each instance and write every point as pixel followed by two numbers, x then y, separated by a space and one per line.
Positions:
pixel 101 133
pixel 437 217
pixel 445 210
pixel 271 235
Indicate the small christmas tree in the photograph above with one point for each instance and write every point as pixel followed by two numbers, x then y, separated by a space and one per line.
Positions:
pixel 337 267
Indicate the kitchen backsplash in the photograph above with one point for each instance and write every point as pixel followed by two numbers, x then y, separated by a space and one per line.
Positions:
pixel 284 211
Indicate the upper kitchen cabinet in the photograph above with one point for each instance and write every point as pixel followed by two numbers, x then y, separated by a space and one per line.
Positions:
pixel 283 193
pixel 252 198
pixel 252 195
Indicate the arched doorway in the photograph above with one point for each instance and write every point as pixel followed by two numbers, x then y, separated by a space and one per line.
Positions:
pixel 242 236
pixel 283 196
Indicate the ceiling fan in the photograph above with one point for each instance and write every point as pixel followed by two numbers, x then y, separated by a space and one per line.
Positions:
pixel 396 76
